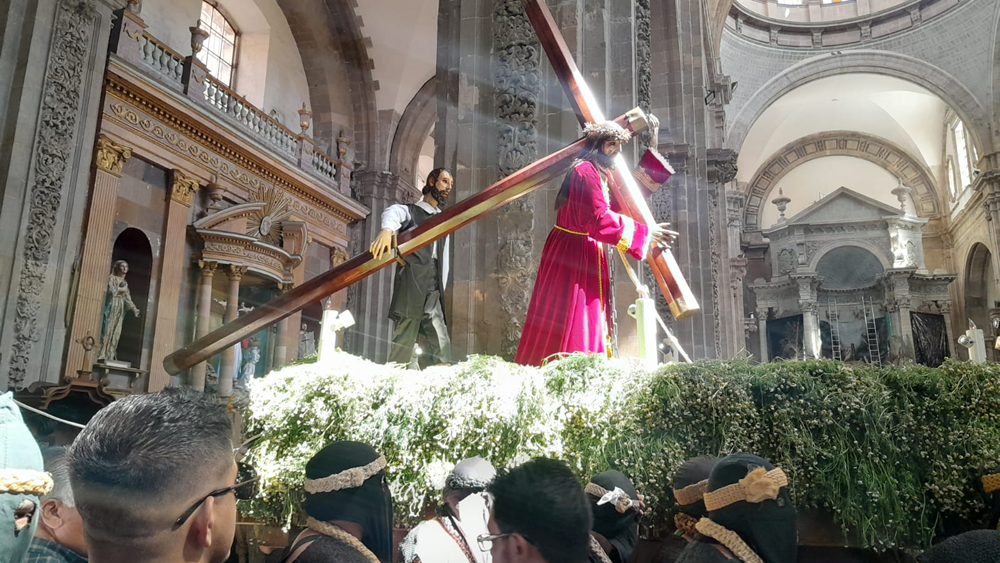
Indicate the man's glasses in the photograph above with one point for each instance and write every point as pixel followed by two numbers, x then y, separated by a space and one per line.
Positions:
pixel 486 540
pixel 244 491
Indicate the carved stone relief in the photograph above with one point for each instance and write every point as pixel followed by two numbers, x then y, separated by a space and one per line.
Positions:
pixel 183 188
pixel 516 79
pixel 61 95
pixel 786 261
pixel 111 156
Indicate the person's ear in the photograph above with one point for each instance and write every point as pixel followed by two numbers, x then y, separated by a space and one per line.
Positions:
pixel 202 525
pixel 50 516
pixel 520 547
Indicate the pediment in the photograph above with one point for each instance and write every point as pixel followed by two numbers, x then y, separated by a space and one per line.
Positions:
pixel 844 205
pixel 232 219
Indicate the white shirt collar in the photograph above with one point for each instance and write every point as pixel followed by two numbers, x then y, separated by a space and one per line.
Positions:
pixel 428 207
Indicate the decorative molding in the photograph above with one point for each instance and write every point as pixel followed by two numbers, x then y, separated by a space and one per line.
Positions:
pixel 874 149
pixel 643 60
pixel 516 78
pixel 183 187
pixel 265 224
pixel 186 136
pixel 716 262
pixel 836 33
pixel 722 165
pixel 111 156
pixel 72 38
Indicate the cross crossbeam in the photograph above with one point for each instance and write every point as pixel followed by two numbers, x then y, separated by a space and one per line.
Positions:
pixel 363 265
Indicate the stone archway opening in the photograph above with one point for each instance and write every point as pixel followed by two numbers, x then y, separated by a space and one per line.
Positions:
pixel 981 293
pixel 133 246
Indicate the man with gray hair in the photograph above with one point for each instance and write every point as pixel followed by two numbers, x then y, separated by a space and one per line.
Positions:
pixel 59 536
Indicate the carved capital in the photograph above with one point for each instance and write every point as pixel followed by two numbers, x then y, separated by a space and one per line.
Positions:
pixel 111 156
pixel 338 256
pixel 183 187
pixel 208 268
pixel 236 273
pixel 285 287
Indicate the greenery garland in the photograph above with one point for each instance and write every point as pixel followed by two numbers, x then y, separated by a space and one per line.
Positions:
pixel 895 455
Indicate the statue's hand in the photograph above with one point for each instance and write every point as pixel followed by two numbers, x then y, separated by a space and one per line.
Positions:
pixel 136 313
pixel 381 243
pixel 662 235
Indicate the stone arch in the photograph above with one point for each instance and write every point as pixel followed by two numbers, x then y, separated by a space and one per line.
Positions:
pixel 977 283
pixel 876 150
pixel 864 245
pixel 334 53
pixel 415 125
pixel 866 61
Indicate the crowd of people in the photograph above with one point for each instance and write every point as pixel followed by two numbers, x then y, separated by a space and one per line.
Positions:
pixel 154 478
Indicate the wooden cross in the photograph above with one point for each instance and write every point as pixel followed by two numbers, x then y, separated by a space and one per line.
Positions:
pixel 667 273
pixel 363 265
pixel 464 212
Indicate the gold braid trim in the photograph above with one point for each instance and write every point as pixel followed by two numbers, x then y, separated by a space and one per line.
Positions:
pixel 598 551
pixel 338 533
pixel 728 538
pixel 759 485
pixel 991 483
pixel 348 479
pixel 25 482
pixel 685 523
pixel 691 493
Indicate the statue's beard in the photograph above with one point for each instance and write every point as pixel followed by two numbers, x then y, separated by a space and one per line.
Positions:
pixel 604 161
pixel 439 196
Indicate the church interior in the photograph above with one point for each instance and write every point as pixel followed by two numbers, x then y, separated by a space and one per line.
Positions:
pixel 171 166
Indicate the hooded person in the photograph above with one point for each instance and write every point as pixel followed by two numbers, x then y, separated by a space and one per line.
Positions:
pixel 22 482
pixel 750 515
pixel 615 506
pixel 349 508
pixel 977 546
pixel 690 482
pixel 991 484
pixel 451 537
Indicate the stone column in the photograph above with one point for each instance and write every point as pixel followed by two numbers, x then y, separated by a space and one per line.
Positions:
pixel 945 308
pixel 811 342
pixel 762 330
pixel 165 337
pixel 204 315
pixel 228 371
pixel 281 348
pixel 989 183
pixel 899 305
pixel 52 76
pixel 95 260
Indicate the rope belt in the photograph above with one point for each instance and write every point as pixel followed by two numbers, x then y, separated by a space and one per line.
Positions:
pixel 565 230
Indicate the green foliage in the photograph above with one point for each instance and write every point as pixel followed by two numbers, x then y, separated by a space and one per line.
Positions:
pixel 894 455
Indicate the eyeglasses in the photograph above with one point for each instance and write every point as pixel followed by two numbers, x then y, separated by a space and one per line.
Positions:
pixel 244 491
pixel 486 540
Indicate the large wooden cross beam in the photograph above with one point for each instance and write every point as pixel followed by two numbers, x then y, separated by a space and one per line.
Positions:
pixel 674 288
pixel 363 265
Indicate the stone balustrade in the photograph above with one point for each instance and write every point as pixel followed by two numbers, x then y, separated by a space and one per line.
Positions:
pixel 188 75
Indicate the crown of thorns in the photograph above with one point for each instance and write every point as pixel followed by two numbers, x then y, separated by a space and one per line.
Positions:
pixel 607 129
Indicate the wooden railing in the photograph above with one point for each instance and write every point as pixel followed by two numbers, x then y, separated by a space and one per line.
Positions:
pixel 189 76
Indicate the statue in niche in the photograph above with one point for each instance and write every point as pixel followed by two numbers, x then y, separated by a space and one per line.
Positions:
pixel 116 300
pixel 250 359
pixel 307 341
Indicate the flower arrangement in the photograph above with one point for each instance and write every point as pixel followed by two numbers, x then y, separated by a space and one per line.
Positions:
pixel 895 455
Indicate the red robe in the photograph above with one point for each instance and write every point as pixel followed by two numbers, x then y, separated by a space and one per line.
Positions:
pixel 570 302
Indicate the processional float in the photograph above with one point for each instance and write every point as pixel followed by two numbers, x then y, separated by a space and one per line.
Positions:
pixel 665 270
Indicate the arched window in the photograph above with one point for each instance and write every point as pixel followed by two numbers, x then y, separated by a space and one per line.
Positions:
pixel 951 178
pixel 962 154
pixel 219 50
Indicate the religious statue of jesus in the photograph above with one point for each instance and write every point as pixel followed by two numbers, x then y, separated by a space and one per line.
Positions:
pixel 569 309
pixel 116 300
